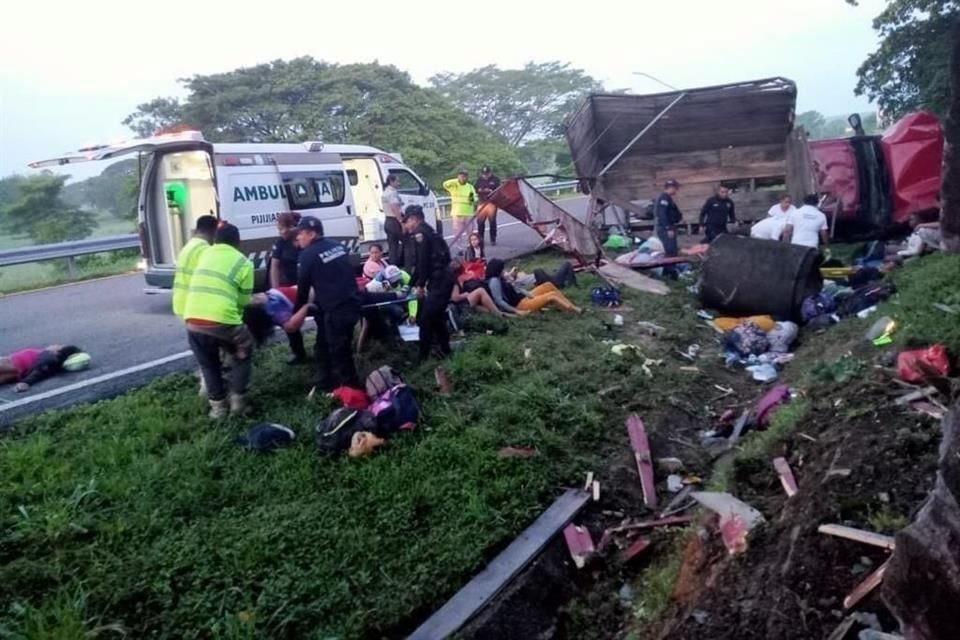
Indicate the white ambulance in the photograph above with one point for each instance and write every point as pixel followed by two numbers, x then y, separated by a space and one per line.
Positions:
pixel 249 185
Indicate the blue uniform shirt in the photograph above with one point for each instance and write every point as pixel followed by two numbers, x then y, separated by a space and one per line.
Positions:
pixel 325 267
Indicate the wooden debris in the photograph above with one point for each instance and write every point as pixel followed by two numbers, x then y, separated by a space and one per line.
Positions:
pixel 787 479
pixel 805 436
pixel 443 380
pixel 589 483
pixel 929 409
pixel 863 589
pixel 914 396
pixel 641 452
pixel 739 426
pixel 840 633
pixel 636 548
pixel 579 543
pixel 690 369
pixel 500 571
pixel 516 452
pixel 866 537
pixel 676 504
pixel 596 490
pixel 652 524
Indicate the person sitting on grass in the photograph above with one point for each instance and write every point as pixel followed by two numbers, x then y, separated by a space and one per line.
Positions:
pixel 510 300
pixel 475 297
pixel 375 263
pixel 474 248
pixel 31 365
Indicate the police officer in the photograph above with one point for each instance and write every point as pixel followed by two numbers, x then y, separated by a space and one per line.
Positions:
pixel 667 217
pixel 325 268
pixel 716 212
pixel 432 281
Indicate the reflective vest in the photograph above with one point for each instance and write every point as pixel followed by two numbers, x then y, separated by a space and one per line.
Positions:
pixel 220 287
pixel 462 197
pixel 186 263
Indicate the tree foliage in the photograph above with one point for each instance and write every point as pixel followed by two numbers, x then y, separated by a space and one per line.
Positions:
pixel 520 104
pixel 115 190
pixel 301 99
pixel 910 69
pixel 820 126
pixel 39 211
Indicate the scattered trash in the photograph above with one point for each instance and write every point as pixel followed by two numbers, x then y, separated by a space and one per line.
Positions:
pixel 863 589
pixel 647 524
pixel 918 364
pixel 866 312
pixel 588 485
pixel 913 396
pixel 595 485
pixel 763 372
pixel 676 505
pixel 674 483
pixel 350 397
pixel 607 391
pixel 618 320
pixel 690 369
pixel 579 543
pixel 866 537
pixel 878 328
pixel 737 518
pixel 266 436
pixel 945 308
pixel 704 314
pixel 443 380
pixel 787 479
pixel 527 353
pixel 637 547
pixel 740 425
pixel 700 616
pixel 641 453
pixel 651 328
pixel 626 595
pixel 516 452
pixel 929 409
pixel 671 465
pixel 692 352
pixel 771 400
pixel 716 446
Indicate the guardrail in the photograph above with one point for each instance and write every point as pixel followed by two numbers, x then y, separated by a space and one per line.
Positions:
pixel 70 250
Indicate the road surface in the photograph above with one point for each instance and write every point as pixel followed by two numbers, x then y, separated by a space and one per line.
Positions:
pixel 121 327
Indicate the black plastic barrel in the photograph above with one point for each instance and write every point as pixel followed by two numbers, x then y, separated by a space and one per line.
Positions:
pixel 748 276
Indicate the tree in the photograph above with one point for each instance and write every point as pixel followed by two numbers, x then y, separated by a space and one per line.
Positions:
pixel 301 99
pixel 39 212
pixel 115 190
pixel 819 126
pixel 520 104
pixel 910 69
pixel 950 189
pixel 812 121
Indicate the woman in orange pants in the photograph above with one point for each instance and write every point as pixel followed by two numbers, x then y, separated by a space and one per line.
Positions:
pixel 509 300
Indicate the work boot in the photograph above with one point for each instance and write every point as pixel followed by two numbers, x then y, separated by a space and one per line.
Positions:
pixel 218 409
pixel 239 405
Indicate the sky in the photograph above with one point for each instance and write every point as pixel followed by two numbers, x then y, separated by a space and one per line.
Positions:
pixel 70 81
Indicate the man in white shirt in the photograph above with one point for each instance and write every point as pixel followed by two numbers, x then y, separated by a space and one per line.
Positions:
pixel 770 228
pixel 807 226
pixel 392 209
pixel 783 208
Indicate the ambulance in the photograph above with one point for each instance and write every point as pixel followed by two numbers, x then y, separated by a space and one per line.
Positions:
pixel 183 176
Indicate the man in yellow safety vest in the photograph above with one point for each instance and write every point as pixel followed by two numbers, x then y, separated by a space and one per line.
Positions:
pixel 220 287
pixel 463 198
pixel 187 260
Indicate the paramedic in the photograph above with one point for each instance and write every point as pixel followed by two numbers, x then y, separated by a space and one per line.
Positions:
pixel 325 268
pixel 463 197
pixel 485 185
pixel 807 226
pixel 716 212
pixel 220 288
pixel 392 211
pixel 187 260
pixel 667 216
pixel 432 281
pixel 283 273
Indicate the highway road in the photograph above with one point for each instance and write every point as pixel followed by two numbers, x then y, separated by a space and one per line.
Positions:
pixel 122 328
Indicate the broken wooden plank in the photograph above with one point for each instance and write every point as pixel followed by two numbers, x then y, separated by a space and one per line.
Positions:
pixel 866 537
pixel 627 277
pixel 787 479
pixel 922 394
pixel 467 602
pixel 636 548
pixel 641 452
pixel 579 543
pixel 739 426
pixel 651 524
pixel 863 589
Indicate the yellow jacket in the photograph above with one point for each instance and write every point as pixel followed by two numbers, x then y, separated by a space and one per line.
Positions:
pixel 186 263
pixel 221 286
pixel 462 197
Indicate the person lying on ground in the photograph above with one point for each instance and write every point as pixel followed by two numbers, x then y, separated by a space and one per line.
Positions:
pixel 476 297
pixel 268 310
pixel 375 262
pixel 926 235
pixel 511 300
pixel 560 278
pixel 474 248
pixel 31 365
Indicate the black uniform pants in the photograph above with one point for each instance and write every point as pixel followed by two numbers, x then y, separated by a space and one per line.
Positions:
pixel 712 230
pixel 395 240
pixel 297 347
pixel 432 318
pixel 482 225
pixel 334 348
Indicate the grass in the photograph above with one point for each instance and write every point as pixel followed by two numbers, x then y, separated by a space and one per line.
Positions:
pixel 139 514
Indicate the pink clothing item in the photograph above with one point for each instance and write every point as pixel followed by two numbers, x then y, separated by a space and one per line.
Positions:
pixel 24 359
pixel 371 268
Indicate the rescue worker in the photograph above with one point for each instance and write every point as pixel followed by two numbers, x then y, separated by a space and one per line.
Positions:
pixel 187 259
pixel 463 198
pixel 485 185
pixel 432 281
pixel 717 211
pixel 325 268
pixel 667 216
pixel 392 212
pixel 220 287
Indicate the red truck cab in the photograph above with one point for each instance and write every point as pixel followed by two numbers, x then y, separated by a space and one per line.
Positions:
pixel 881 180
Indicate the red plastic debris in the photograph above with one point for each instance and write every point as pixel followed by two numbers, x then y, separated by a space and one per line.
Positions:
pixel 641 452
pixel 635 549
pixel 917 364
pixel 579 543
pixel 351 398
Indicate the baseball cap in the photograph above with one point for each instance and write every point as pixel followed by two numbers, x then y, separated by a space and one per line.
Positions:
pixel 463 171
pixel 672 182
pixel 485 169
pixel 309 223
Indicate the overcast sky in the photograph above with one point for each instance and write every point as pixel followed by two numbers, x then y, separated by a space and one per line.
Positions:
pixel 70 73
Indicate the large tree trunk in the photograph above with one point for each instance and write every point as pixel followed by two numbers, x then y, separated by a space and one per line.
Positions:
pixel 950 190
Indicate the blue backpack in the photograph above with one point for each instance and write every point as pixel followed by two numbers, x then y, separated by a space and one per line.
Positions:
pixel 395 409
